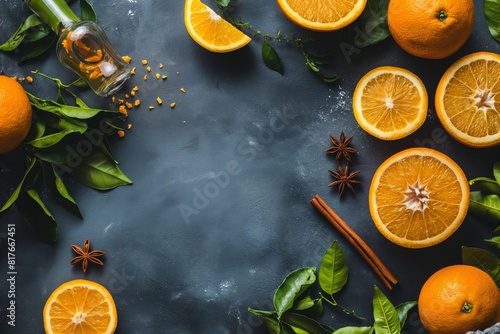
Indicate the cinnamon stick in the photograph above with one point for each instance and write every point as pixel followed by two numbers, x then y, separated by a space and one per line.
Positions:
pixel 355 240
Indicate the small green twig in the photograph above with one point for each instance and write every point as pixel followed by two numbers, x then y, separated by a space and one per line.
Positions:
pixel 334 303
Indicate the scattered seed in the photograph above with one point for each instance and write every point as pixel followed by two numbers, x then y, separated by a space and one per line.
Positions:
pixel 158 76
pixel 132 71
pixel 164 77
pixel 129 126
pixel 151 107
pixel 132 93
pixel 135 89
pixel 113 99
pixel 183 90
pixel 29 79
pixel 137 103
pixel 123 110
pixel 178 73
pixel 127 96
pixel 121 101
pixel 128 105
pixel 121 133
pixel 127 59
pixel 145 77
pixel 148 68
pixel 172 105
pixel 159 101
pixel 144 62
pixel 161 65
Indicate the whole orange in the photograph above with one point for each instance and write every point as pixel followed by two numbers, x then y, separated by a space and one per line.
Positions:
pixel 457 299
pixel 433 29
pixel 15 114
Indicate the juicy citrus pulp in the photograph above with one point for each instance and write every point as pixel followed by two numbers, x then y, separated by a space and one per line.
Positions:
pixel 210 30
pixel 457 299
pixel 418 197
pixel 80 306
pixel 431 29
pixel 322 15
pixel 390 102
pixel 468 100
pixel 15 114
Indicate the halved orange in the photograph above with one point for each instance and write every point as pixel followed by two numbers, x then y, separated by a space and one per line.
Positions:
pixel 210 30
pixel 468 100
pixel 322 15
pixel 80 306
pixel 390 102
pixel 418 197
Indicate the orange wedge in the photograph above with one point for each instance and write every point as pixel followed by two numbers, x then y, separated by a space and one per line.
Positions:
pixel 210 30
pixel 418 197
pixel 390 102
pixel 82 307
pixel 322 15
pixel 468 100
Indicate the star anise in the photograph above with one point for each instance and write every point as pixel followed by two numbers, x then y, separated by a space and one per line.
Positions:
pixel 343 179
pixel 341 147
pixel 84 255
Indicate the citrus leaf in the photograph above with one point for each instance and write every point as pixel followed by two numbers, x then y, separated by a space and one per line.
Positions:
pixel 494 242
pixel 292 287
pixel 354 330
pixel 15 40
pixel 87 11
pixel 97 171
pixel 269 319
pixel 271 58
pixel 30 173
pixel 38 217
pixel 385 314
pixel 37 48
pixel 56 186
pixel 483 260
pixel 309 306
pixel 485 206
pixel 223 3
pixel 403 310
pixel 51 140
pixel 492 14
pixel 333 270
pixel 306 324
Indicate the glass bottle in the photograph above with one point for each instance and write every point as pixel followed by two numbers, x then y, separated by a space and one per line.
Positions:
pixel 83 47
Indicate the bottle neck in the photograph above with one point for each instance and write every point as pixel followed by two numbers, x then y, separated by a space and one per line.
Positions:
pixel 56 13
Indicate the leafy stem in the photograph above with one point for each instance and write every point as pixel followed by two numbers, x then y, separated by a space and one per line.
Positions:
pixel 270 56
pixel 334 303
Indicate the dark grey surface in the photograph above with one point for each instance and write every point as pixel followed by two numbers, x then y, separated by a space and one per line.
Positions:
pixel 169 274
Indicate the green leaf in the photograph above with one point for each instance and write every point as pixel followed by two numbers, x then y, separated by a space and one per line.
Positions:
pixel 494 242
pixel 223 3
pixel 38 217
pixel 52 139
pixel 485 206
pixel 308 325
pixel 271 58
pixel 403 310
pixel 87 11
pixel 385 314
pixel 309 306
pixel 38 32
pixel 354 330
pixel 98 171
pixel 496 171
pixel 15 40
pixel 374 22
pixel 485 185
pixel 483 260
pixel 292 287
pixel 333 270
pixel 36 48
pixel 28 175
pixel 56 186
pixel 492 14
pixel 270 320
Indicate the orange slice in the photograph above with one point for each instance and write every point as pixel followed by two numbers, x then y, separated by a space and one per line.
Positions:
pixel 210 30
pixel 82 307
pixel 468 100
pixel 418 197
pixel 322 15
pixel 390 102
